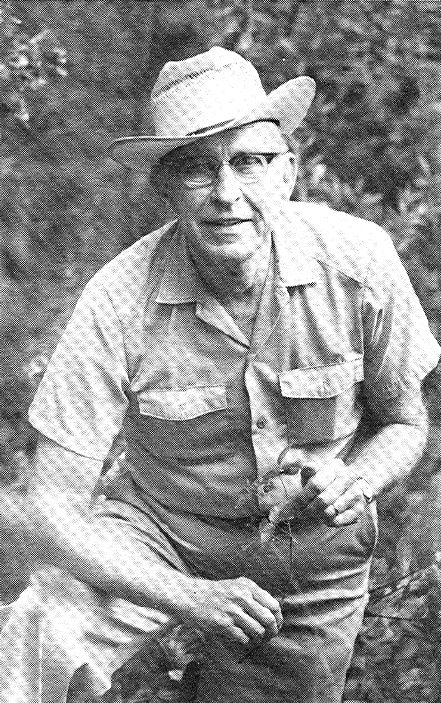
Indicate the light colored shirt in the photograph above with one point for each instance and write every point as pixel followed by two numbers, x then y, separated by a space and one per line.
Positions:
pixel 149 351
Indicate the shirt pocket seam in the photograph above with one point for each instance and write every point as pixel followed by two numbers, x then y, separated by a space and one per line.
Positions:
pixel 321 404
pixel 321 381
pixel 181 403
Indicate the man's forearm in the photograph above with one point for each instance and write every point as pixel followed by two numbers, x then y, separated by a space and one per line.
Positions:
pixel 101 555
pixel 389 455
pixel 62 536
pixel 61 530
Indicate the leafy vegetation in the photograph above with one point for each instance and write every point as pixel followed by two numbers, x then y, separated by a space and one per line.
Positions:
pixel 74 75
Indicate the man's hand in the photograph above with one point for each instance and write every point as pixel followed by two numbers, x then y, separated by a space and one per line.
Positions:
pixel 327 490
pixel 235 609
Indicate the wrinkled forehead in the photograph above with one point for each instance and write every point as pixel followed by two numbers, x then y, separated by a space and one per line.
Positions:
pixel 258 137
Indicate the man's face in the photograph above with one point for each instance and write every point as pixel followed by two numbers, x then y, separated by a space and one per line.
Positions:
pixel 227 220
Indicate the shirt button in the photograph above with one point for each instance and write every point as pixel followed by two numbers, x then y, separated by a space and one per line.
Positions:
pixel 261 422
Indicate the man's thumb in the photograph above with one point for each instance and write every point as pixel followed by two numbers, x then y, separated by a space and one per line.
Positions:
pixel 307 471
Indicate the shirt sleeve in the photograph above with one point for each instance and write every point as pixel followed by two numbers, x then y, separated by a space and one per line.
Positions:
pixel 400 349
pixel 81 401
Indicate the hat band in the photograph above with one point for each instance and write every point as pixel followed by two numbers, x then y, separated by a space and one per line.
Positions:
pixel 207 129
pixel 202 130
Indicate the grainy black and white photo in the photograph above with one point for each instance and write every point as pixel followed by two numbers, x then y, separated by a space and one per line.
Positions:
pixel 220 409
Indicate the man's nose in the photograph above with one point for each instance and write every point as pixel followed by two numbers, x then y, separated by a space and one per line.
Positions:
pixel 226 187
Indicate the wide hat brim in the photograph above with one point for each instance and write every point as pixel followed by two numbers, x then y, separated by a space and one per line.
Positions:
pixel 286 105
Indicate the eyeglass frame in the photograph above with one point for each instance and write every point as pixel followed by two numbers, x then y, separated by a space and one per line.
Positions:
pixel 267 159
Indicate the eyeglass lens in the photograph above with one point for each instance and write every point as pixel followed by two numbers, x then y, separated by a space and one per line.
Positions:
pixel 203 171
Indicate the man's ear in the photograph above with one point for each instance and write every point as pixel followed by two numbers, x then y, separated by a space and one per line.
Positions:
pixel 290 173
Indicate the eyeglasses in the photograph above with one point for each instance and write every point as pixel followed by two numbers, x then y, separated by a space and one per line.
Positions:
pixel 201 172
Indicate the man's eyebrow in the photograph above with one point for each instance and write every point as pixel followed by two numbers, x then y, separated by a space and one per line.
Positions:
pixel 186 155
pixel 201 153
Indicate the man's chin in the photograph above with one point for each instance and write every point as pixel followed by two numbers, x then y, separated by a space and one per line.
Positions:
pixel 232 256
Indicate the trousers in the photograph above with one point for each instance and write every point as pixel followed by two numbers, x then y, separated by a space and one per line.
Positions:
pixel 62 630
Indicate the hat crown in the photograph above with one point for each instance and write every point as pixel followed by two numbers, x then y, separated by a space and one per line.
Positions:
pixel 205 95
pixel 204 91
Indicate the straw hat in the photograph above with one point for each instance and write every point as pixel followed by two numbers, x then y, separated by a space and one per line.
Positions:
pixel 207 94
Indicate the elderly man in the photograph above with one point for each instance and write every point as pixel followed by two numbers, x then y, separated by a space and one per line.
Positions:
pixel 263 360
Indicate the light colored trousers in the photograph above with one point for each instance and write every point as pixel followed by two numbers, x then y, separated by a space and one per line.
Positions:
pixel 59 624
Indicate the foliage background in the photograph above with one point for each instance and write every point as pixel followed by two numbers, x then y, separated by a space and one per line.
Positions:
pixel 370 146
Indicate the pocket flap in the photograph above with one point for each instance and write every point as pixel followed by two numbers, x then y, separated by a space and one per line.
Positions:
pixel 321 382
pixel 181 404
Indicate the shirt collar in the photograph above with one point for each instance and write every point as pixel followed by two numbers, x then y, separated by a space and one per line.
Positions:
pixel 181 283
pixel 293 249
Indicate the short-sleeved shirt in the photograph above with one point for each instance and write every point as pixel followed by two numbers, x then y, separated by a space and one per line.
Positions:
pixel 151 353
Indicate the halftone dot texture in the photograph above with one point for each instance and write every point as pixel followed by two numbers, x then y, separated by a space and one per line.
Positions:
pixel 207 93
pixel 206 409
pixel 207 403
pixel 228 89
pixel 149 346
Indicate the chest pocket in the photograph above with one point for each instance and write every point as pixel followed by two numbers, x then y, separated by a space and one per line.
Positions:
pixel 321 404
pixel 181 404
pixel 184 424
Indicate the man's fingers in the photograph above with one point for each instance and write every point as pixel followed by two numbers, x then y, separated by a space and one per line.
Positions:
pixel 305 498
pixel 266 600
pixel 308 471
pixel 249 624
pixel 316 484
pixel 291 461
pixel 347 517
pixel 267 619
pixel 341 486
pixel 351 504
pixel 337 496
pixel 353 496
pixel 235 634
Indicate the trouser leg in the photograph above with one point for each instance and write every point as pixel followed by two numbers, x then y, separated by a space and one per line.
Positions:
pixel 321 581
pixel 306 663
pixel 60 625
